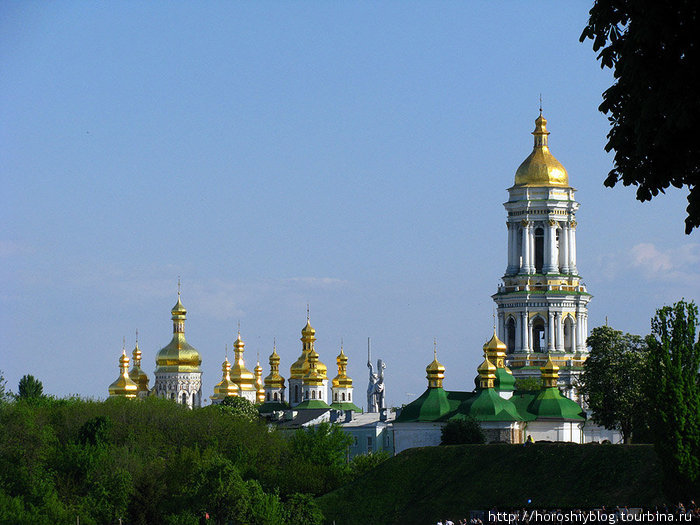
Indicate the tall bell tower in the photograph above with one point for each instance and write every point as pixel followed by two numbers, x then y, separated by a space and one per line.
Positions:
pixel 542 302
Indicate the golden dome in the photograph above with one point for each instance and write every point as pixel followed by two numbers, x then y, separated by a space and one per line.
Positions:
pixel 123 386
pixel 260 396
pixel 435 371
pixel 225 387
pixel 301 366
pixel 495 350
pixel 550 373
pixel 342 380
pixel 239 373
pixel 487 373
pixel 540 168
pixel 178 355
pixel 313 377
pixel 274 380
pixel 137 374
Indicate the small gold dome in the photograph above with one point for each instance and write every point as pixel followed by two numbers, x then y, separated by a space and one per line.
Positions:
pixel 178 355
pixel 550 373
pixel 274 380
pixel 239 373
pixel 137 374
pixel 123 386
pixel 494 344
pixel 225 387
pixel 540 168
pixel 435 371
pixel 342 380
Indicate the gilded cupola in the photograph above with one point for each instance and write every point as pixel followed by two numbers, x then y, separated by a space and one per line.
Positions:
pixel 239 373
pixel 550 373
pixel 123 386
pixel 274 380
pixel 260 389
pixel 342 380
pixel 137 374
pixel 313 377
pixel 540 168
pixel 301 366
pixel 178 355
pixel 487 373
pixel 225 387
pixel 435 371
pixel 495 350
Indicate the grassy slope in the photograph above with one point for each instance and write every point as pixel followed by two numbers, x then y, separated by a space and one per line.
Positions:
pixel 424 484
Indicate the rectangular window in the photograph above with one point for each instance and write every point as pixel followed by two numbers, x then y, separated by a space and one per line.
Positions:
pixel 369 443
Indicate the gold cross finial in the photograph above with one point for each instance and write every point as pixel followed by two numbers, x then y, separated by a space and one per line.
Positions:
pixel 137 337
pixel 435 347
pixel 307 311
pixel 178 286
pixel 239 329
pixel 540 104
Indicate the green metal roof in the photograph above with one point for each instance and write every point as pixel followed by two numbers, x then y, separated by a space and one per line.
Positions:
pixel 487 405
pixel 504 380
pixel 432 405
pixel 272 406
pixel 346 406
pixel 311 403
pixel 550 404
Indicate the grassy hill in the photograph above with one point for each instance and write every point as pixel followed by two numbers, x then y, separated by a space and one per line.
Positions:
pixel 421 485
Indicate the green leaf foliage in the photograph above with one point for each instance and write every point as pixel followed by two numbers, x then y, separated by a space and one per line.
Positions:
pixel 613 379
pixel 363 463
pixel 150 461
pixel 528 383
pixel 674 388
pixel 653 104
pixel 30 388
pixel 238 407
pixel 465 431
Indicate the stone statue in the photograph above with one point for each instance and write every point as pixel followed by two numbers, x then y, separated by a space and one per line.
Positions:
pixel 375 388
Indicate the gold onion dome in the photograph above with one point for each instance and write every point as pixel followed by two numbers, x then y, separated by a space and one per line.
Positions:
pixel 274 380
pixel 225 387
pixel 178 355
pixel 540 168
pixel 137 374
pixel 495 350
pixel 301 366
pixel 487 373
pixel 260 397
pixel 342 379
pixel 435 372
pixel 123 386
pixel 550 373
pixel 239 373
pixel 313 377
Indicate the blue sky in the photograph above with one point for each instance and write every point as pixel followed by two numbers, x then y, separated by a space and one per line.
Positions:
pixel 350 155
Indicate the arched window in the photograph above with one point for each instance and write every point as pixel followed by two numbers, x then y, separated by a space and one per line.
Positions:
pixel 538 335
pixel 568 334
pixel 184 398
pixel 335 396
pixel 539 249
pixel 510 335
pixel 296 393
pixel 349 396
pixel 343 396
pixel 268 396
pixel 275 396
pixel 313 394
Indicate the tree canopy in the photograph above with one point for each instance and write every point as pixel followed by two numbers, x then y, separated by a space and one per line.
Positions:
pixel 462 432
pixel 674 388
pixel 653 105
pixel 30 388
pixel 613 378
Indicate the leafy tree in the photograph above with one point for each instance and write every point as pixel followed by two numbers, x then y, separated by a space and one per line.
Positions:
pixel 653 105
pixel 675 392
pixel 613 378
pixel 301 509
pixel 239 407
pixel 363 463
pixel 95 431
pixel 30 388
pixel 528 383
pixel 4 393
pixel 462 432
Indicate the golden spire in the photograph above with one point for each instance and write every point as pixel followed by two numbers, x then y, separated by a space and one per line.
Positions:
pixel 274 380
pixel 342 380
pixel 123 386
pixel 239 373
pixel 178 355
pixel 259 381
pixel 540 168
pixel 550 373
pixel 435 370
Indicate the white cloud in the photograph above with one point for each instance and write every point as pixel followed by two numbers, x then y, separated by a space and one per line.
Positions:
pixel 678 265
pixel 648 257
